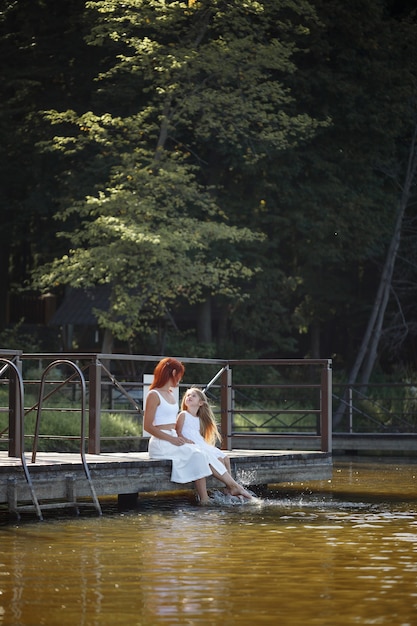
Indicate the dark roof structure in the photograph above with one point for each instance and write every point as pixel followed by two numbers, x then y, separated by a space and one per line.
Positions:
pixel 77 307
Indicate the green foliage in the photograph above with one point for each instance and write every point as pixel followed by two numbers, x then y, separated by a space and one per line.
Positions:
pixel 151 258
pixel 157 234
pixel 274 421
pixel 64 425
pixel 60 431
pixel 247 153
pixel 17 338
pixel 331 207
pixel 40 41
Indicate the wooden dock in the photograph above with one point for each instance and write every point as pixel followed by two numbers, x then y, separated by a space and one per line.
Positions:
pixel 60 478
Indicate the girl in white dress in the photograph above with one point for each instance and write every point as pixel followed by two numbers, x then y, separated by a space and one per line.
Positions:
pixel 189 462
pixel 197 422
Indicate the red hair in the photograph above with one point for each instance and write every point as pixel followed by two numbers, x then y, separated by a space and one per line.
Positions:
pixel 166 369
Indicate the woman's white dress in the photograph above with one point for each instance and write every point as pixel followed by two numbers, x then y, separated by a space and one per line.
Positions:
pixel 189 462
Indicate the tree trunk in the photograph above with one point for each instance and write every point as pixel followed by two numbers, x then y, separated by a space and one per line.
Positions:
pixel 388 271
pixel 108 340
pixel 315 340
pixel 4 261
pixel 222 325
pixel 204 331
pixel 369 347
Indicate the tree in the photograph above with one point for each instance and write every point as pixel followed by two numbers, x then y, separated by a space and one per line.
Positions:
pixel 329 206
pixel 38 40
pixel 368 350
pixel 204 87
pixel 367 354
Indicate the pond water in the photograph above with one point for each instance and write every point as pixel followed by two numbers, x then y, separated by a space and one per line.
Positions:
pixel 336 553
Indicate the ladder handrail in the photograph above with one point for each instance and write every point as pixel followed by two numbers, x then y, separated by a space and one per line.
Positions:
pixel 213 380
pixel 20 409
pixel 77 371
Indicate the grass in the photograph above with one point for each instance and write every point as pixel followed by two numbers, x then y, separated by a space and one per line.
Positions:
pixel 274 421
pixel 60 431
pixel 60 422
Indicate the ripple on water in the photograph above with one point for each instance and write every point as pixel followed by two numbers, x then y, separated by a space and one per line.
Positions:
pixel 341 553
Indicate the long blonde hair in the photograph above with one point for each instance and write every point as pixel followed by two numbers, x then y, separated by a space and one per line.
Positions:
pixel 208 425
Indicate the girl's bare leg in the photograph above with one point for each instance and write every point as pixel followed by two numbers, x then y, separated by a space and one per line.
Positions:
pixel 227 465
pixel 226 462
pixel 201 487
pixel 233 487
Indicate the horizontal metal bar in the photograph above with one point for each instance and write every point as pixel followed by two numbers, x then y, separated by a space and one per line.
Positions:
pixel 276 411
pixel 277 386
pixel 90 356
pixel 79 356
pixel 249 433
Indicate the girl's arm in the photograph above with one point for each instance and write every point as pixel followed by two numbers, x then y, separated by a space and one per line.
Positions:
pixel 179 426
pixel 180 423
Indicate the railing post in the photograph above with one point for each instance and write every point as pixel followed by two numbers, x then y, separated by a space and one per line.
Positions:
pixel 94 407
pixel 226 408
pixel 350 391
pixel 326 408
pixel 15 422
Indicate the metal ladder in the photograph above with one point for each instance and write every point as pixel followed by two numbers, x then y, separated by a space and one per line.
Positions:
pixel 71 499
pixel 13 505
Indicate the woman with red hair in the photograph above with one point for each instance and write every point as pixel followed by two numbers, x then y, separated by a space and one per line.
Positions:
pixel 190 463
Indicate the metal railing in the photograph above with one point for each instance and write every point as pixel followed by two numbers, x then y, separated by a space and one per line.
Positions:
pixel 375 408
pixel 260 398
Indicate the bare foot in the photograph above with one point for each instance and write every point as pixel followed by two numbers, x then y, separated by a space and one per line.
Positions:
pixel 240 491
pixel 207 502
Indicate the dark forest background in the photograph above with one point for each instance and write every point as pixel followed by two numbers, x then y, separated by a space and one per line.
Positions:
pixel 215 178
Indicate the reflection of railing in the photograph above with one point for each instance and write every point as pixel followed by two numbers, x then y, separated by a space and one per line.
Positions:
pixel 272 381
pixel 376 408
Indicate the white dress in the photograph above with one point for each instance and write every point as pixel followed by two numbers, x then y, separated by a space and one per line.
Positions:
pixel 189 462
pixel 191 430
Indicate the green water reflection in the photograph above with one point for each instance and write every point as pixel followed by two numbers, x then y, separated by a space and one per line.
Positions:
pixel 331 553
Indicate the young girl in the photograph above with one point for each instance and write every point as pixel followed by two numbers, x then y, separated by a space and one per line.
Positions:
pixel 197 423
pixel 189 462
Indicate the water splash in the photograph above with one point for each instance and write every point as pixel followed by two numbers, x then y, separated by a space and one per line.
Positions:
pixel 226 499
pixel 246 477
